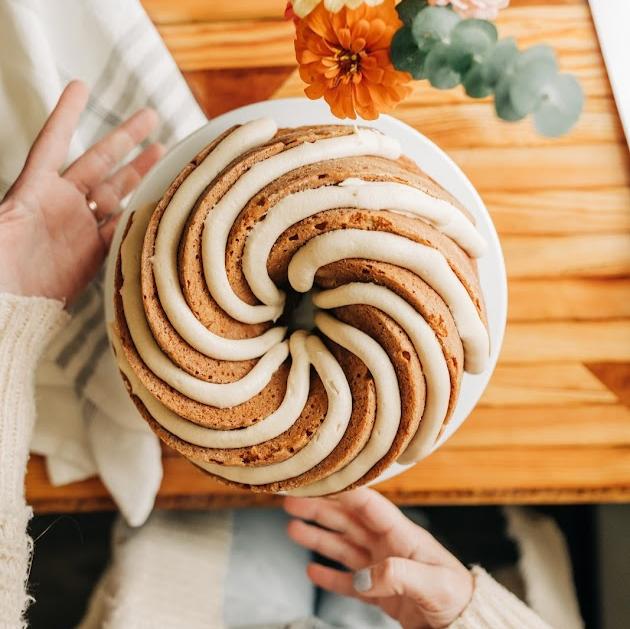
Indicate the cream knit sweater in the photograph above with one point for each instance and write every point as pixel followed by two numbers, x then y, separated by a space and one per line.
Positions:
pixel 26 326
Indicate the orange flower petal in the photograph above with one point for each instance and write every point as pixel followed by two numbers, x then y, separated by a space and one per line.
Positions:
pixel 344 58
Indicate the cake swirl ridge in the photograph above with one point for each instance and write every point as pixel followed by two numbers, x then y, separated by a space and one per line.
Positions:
pixel 263 214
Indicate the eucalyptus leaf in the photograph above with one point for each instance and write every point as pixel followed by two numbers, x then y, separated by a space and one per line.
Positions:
pixel 560 106
pixel 408 9
pixel 540 53
pixel 406 55
pixel 433 25
pixel 474 83
pixel 503 102
pixel 478 36
pixel 534 70
pixel 499 61
pixel 470 42
pixel 438 70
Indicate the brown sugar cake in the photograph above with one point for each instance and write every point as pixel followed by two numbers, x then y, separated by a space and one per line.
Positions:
pixel 212 283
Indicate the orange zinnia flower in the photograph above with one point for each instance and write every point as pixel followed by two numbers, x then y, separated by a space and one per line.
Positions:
pixel 344 57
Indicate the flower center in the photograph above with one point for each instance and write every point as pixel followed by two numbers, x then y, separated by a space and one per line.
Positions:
pixel 348 61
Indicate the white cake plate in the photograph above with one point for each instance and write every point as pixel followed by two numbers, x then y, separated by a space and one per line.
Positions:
pixel 293 112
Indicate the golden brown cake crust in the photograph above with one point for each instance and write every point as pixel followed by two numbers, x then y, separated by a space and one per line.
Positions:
pixel 366 318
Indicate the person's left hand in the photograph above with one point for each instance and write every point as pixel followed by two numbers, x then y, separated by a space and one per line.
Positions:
pixel 51 242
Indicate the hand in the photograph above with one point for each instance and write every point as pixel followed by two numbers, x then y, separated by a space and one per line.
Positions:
pixel 396 564
pixel 51 243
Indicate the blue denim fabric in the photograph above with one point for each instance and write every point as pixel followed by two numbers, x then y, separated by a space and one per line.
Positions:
pixel 266 585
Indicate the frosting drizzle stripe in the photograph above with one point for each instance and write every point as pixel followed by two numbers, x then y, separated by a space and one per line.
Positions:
pixel 222 217
pixel 427 347
pixel 426 262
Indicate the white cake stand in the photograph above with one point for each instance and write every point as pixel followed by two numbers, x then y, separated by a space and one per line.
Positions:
pixel 292 112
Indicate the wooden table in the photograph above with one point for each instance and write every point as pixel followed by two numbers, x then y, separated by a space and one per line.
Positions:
pixel 554 425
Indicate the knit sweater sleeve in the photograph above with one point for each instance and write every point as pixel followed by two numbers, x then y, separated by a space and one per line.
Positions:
pixel 26 326
pixel 494 607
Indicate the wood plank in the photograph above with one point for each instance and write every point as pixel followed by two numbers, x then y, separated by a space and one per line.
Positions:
pixel 568 27
pixel 472 123
pixel 560 212
pixel 243 44
pixel 598 255
pixel 537 426
pixel 568 299
pixel 218 91
pixel 169 12
pixel 583 341
pixel 450 475
pixel 226 42
pixel 573 167
pixel 614 376
pixel 506 474
pixel 552 385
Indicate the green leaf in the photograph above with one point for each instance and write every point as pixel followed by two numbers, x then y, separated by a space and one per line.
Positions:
pixel 560 106
pixel 433 25
pixel 406 55
pixel 469 42
pixel 478 36
pixel 439 72
pixel 534 70
pixel 503 102
pixel 542 53
pixel 474 83
pixel 500 61
pixel 408 9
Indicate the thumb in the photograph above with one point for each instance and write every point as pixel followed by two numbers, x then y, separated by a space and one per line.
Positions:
pixel 396 576
pixel 441 593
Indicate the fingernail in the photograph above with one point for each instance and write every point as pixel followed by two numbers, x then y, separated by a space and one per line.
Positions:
pixel 362 580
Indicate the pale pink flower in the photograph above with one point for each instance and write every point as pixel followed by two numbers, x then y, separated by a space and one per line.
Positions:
pixel 481 9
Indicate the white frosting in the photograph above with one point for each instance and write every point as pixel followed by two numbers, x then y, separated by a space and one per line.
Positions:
pixel 271 426
pixel 324 441
pixel 388 406
pixel 352 193
pixel 169 234
pixel 426 344
pixel 424 261
pixel 222 217
pixel 213 394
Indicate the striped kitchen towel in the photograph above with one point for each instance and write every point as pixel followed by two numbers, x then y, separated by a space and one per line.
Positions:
pixel 86 424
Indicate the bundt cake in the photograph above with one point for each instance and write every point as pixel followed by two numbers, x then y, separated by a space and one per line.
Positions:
pixel 296 312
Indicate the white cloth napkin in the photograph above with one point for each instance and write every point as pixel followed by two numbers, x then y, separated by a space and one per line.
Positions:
pixel 85 423
pixel 611 19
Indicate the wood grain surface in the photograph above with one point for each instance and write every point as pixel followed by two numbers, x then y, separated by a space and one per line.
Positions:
pixel 554 424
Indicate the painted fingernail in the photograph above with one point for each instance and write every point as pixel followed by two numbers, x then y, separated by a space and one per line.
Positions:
pixel 362 580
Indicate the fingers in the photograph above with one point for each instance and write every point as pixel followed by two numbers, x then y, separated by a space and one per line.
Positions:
pixel 441 593
pixel 422 583
pixel 331 579
pixel 107 230
pixel 328 513
pixel 50 149
pixel 110 192
pixel 330 544
pixel 393 529
pixel 373 510
pixel 97 162
pixel 324 511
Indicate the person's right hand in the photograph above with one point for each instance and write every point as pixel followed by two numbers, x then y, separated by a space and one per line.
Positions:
pixel 395 564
